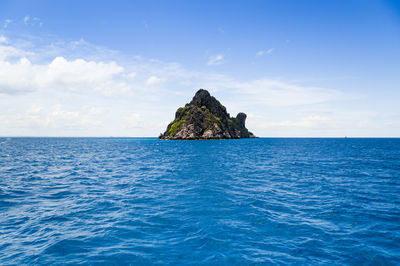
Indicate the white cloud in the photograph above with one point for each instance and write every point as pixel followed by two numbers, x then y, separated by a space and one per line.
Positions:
pixel 338 124
pixel 51 118
pixel 132 121
pixel 34 110
pixel 62 74
pixel 153 80
pixel 35 21
pixel 94 110
pixel 3 39
pixel 260 53
pixel 6 22
pixel 10 52
pixel 131 75
pixel 270 92
pixel 263 52
pixel 215 60
pixel 79 74
pixel 305 122
pixel 78 89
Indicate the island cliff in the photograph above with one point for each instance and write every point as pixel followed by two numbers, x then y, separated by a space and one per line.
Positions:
pixel 206 118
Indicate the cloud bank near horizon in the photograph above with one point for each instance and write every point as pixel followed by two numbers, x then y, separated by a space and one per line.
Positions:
pixel 80 89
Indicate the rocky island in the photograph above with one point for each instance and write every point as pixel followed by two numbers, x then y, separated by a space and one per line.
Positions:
pixel 206 118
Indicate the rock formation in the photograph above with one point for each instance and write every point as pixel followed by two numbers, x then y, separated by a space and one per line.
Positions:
pixel 206 118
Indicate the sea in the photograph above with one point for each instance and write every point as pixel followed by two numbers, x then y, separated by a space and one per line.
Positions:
pixel 144 201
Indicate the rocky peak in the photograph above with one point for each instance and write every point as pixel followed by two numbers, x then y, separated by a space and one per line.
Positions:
pixel 203 98
pixel 241 118
pixel 206 118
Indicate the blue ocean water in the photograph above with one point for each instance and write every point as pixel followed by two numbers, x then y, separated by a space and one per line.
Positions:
pixel 250 201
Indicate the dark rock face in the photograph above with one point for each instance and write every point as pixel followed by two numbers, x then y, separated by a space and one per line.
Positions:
pixel 206 118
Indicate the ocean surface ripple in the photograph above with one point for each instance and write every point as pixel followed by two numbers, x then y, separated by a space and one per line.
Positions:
pixel 250 201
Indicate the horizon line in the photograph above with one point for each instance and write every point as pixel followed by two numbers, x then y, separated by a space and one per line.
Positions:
pixel 264 137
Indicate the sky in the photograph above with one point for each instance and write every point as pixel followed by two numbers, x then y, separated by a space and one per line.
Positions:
pixel 299 68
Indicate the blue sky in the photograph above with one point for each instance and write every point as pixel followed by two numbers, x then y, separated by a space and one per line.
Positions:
pixel 297 68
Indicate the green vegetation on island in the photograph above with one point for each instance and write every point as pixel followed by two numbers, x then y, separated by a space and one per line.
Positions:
pixel 206 118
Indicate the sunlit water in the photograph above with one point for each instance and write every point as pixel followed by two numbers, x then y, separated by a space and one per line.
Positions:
pixel 147 201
